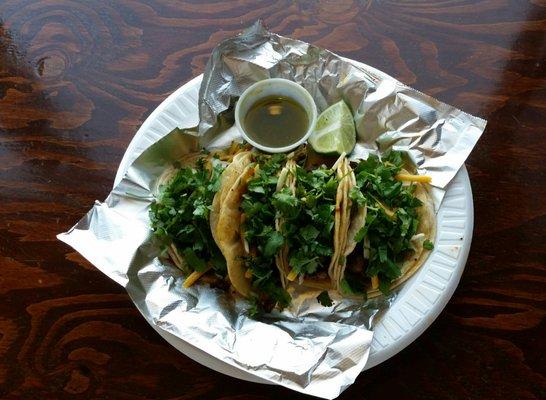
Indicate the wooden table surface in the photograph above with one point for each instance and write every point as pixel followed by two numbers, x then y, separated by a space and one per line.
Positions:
pixel 77 78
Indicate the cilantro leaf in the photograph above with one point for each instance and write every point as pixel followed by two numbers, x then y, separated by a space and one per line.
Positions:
pixel 356 195
pixel 353 285
pixel 384 286
pixel 427 244
pixel 309 232
pixel 195 263
pixel 273 244
pixel 201 210
pixel 361 233
pixel 303 263
pixel 286 202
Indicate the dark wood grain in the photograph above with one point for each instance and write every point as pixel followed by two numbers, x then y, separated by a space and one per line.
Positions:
pixel 77 78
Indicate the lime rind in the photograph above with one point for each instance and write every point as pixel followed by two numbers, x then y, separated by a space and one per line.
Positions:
pixel 334 131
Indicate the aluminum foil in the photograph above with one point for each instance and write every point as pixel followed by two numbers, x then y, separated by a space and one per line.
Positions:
pixel 309 348
pixel 388 114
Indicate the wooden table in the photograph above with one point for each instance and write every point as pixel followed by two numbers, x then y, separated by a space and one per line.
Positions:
pixel 77 78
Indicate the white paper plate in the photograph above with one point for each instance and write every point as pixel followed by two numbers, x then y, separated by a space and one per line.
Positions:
pixel 423 296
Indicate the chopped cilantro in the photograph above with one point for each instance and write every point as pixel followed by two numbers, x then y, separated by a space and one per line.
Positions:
pixel 194 262
pixel 428 245
pixel 353 284
pixel 356 195
pixel 286 203
pixel 309 219
pixel 254 308
pixel 273 244
pixel 309 232
pixel 263 240
pixel 180 216
pixel 391 219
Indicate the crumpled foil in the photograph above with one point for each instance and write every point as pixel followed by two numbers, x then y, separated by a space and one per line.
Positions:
pixel 309 348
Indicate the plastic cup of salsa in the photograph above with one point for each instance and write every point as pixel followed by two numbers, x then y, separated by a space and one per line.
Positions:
pixel 275 115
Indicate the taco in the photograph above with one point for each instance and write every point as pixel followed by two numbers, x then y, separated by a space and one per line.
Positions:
pixel 287 179
pixel 309 206
pixel 246 231
pixel 180 217
pixel 233 171
pixel 389 227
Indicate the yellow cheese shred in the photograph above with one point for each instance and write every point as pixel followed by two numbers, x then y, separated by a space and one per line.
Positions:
pixel 248 273
pixel 390 213
pixel 375 282
pixel 414 178
pixel 193 277
pixel 292 275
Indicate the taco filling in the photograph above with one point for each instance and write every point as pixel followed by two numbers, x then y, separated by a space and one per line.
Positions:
pixel 180 219
pixel 261 241
pixel 265 221
pixel 395 227
pixel 308 212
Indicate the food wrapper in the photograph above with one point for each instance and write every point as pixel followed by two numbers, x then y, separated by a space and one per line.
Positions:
pixel 309 348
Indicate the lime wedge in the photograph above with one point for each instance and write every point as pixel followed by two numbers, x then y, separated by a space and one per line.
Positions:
pixel 335 130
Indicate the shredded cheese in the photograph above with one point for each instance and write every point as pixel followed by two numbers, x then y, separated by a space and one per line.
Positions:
pixel 193 277
pixel 414 178
pixel 375 282
pixel 390 213
pixel 228 154
pixel 248 273
pixel 292 275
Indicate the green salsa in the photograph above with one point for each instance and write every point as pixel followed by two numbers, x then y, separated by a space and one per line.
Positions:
pixel 276 121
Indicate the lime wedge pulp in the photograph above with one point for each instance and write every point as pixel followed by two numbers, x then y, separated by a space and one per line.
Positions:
pixel 335 130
